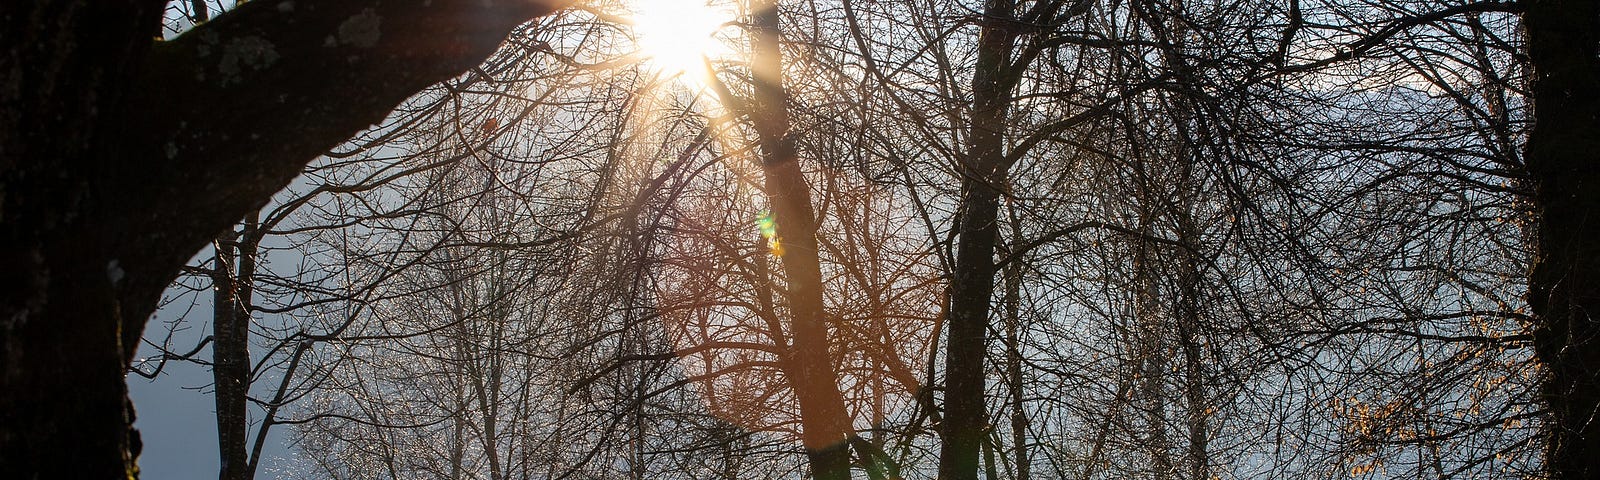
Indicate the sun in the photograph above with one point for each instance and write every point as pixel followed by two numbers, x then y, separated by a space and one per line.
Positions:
pixel 676 36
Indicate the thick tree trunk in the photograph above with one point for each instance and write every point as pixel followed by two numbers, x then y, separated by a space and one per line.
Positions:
pixel 971 292
pixel 63 404
pixel 118 161
pixel 825 423
pixel 1564 285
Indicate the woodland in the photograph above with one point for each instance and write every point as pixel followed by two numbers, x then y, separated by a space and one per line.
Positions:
pixel 824 239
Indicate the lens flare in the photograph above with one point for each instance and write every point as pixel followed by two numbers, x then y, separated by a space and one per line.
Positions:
pixel 769 231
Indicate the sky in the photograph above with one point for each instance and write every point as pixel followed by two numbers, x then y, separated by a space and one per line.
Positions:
pixel 177 424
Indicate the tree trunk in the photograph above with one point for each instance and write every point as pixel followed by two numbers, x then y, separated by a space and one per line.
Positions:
pixel 972 289
pixel 825 423
pixel 63 404
pixel 119 161
pixel 230 332
pixel 1564 284
pixel 1150 328
pixel 1015 379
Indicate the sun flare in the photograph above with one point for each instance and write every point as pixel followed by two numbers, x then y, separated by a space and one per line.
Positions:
pixel 676 36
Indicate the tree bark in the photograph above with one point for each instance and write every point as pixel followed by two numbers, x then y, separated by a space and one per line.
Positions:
pixel 120 157
pixel 983 172
pixel 230 371
pixel 1564 284
pixel 825 423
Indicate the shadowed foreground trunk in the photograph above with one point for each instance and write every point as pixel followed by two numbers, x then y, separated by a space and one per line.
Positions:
pixel 120 157
pixel 1564 285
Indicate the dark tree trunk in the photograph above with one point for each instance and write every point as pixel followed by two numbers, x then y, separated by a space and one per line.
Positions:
pixel 966 342
pixel 1563 159
pixel 63 403
pixel 983 173
pixel 120 158
pixel 226 368
pixel 233 277
pixel 1190 338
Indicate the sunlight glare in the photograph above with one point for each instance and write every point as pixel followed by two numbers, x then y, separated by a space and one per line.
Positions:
pixel 676 35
